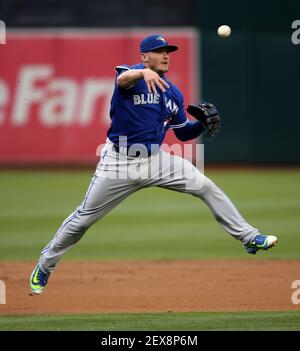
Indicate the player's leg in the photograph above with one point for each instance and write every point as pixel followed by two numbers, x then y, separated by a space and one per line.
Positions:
pixel 102 196
pixel 107 189
pixel 178 174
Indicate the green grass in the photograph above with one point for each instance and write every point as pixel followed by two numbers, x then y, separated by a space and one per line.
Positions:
pixel 152 223
pixel 157 321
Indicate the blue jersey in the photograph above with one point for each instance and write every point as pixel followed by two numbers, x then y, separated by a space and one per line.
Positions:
pixel 144 117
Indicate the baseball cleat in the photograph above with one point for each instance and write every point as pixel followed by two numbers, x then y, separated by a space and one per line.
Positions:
pixel 38 281
pixel 261 242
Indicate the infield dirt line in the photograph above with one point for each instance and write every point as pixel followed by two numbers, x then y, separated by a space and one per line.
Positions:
pixel 153 286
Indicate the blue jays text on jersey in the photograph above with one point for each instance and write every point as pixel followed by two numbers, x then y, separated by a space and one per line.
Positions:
pixel 144 117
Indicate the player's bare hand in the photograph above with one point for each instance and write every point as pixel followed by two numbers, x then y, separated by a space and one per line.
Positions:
pixel 153 80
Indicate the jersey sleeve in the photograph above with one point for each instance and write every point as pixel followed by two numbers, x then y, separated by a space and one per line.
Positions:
pixel 121 68
pixel 179 119
pixel 124 68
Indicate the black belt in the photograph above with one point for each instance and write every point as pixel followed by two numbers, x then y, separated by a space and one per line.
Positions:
pixel 131 152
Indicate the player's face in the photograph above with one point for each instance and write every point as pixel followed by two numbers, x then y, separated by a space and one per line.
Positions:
pixel 158 60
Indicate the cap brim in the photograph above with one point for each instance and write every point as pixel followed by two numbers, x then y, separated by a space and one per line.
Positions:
pixel 171 48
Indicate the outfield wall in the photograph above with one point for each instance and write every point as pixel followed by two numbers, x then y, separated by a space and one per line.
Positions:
pixel 254 79
pixel 253 76
pixel 56 86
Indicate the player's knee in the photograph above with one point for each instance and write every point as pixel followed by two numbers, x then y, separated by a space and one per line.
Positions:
pixel 82 222
pixel 207 187
pixel 79 226
pixel 209 184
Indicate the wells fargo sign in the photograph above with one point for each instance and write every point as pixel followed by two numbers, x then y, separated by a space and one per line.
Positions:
pixel 55 89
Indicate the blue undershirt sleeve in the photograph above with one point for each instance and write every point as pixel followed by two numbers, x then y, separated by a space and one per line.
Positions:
pixel 190 130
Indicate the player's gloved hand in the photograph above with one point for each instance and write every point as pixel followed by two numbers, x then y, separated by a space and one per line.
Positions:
pixel 208 115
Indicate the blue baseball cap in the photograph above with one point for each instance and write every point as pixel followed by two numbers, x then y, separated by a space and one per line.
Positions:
pixel 155 41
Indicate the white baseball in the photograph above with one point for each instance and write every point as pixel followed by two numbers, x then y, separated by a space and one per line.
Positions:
pixel 224 31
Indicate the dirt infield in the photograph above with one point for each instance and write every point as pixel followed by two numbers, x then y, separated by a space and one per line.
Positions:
pixel 154 286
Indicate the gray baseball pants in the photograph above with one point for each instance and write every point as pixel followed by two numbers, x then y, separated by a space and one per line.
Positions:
pixel 117 176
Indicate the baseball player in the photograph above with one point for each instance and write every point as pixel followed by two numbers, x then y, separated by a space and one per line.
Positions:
pixel 144 106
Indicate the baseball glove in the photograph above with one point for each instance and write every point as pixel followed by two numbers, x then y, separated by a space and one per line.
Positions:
pixel 208 115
